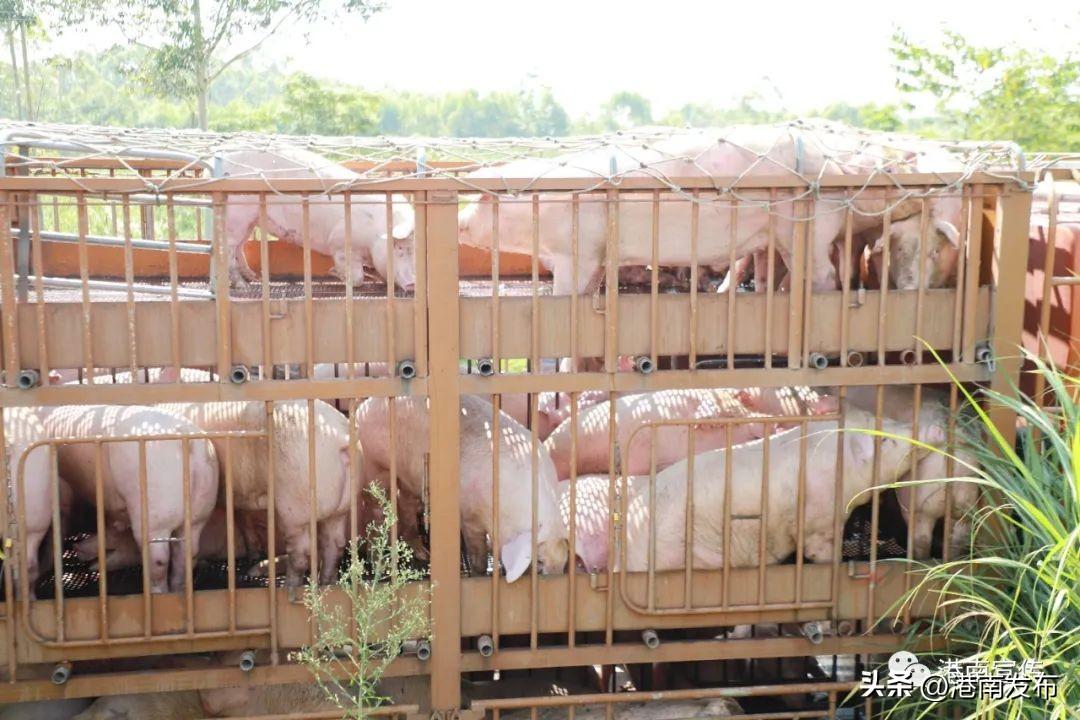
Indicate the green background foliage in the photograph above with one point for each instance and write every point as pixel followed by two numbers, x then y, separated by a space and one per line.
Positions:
pixel 949 89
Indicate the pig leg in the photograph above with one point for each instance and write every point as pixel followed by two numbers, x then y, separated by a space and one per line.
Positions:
pixel 33 570
pixel 588 277
pixel 826 228
pixel 298 548
pixel 476 548
pixel 924 536
pixel 178 557
pixel 332 533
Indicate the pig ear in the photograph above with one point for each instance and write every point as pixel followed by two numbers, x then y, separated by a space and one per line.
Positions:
pixel 948 231
pixel 824 404
pixel 55 377
pixel 517 556
pixel 404 225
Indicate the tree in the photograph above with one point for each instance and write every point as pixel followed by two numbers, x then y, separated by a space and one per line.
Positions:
pixel 387 607
pixel 192 42
pixel 16 19
pixel 994 93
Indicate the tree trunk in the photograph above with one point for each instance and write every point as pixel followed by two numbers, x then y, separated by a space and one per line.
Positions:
pixel 202 84
pixel 15 73
pixel 26 74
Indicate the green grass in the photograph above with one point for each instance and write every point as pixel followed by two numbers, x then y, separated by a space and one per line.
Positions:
pixel 1017 597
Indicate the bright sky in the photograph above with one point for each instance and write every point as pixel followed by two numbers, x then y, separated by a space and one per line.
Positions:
pixel 672 51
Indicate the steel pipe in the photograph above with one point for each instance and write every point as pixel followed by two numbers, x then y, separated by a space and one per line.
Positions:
pixel 855 358
pixel 644 364
pixel 28 379
pixel 406 369
pixel 111 241
pixel 239 374
pixel 813 632
pixel 650 638
pixel 818 361
pixel 247 660
pixel 485 367
pixel 110 286
pixel 61 673
pixel 485 645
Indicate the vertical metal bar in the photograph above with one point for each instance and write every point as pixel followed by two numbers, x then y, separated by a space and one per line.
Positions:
pixel 309 309
pixel 5 522
pixel 271 527
pixel 534 504
pixel 728 488
pixel 496 503
pixel 8 307
pixel 1011 246
pixel 609 629
pixel 174 283
pixel 920 293
pixel 1043 335
pixel 129 280
pixel 189 550
pixel 103 575
pixel 393 438
pixel 350 346
pixel 808 285
pixel 611 340
pixel 695 219
pixel 800 519
pixel 391 329
pixel 58 542
pixel 688 522
pixel 845 281
pixel 731 284
pixel 35 239
pixel 221 295
pixel 961 275
pixel 913 505
pixel 575 232
pixel 264 271
pixel 838 501
pixel 763 509
pixel 651 581
pixel 875 505
pixel 230 533
pixel 84 273
pixel 443 388
pixel 797 273
pixel 950 470
pixel 770 282
pixel 571 609
pixel 883 292
pixel 654 286
pixel 496 350
pixel 974 267
pixel 313 500
pixel 144 540
pixel 534 314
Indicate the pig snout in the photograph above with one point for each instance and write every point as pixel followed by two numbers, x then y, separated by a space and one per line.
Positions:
pixel 552 556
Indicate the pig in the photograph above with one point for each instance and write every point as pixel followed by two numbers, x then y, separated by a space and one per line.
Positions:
pixel 925 503
pixel 634 412
pixel 789 149
pixel 551 408
pixel 718 707
pixel 22 430
pixel 183 705
pixel 120 476
pixel 261 700
pixel 44 709
pixel 107 376
pixel 292 488
pixel 249 540
pixel 940 254
pixel 326 216
pixel 669 487
pixel 515 473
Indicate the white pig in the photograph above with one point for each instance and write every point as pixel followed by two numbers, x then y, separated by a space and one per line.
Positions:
pixel 515 473
pixel 929 498
pixel 22 429
pixel 709 489
pixel 292 487
pixel 257 701
pixel 326 216
pixel 634 439
pixel 120 472
pixel 183 705
pixel 791 150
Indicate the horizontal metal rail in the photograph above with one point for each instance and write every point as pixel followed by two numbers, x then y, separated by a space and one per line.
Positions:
pixel 108 285
pixel 112 241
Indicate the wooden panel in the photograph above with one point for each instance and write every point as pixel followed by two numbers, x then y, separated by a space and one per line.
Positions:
pixel 673 331
pixel 110 330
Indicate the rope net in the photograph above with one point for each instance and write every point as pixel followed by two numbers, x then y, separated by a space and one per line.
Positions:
pixel 803 150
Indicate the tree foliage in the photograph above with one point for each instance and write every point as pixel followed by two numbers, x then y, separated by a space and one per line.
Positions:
pixel 994 93
pixel 191 43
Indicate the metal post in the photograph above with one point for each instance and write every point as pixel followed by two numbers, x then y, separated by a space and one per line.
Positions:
pixel 1010 273
pixel 444 396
